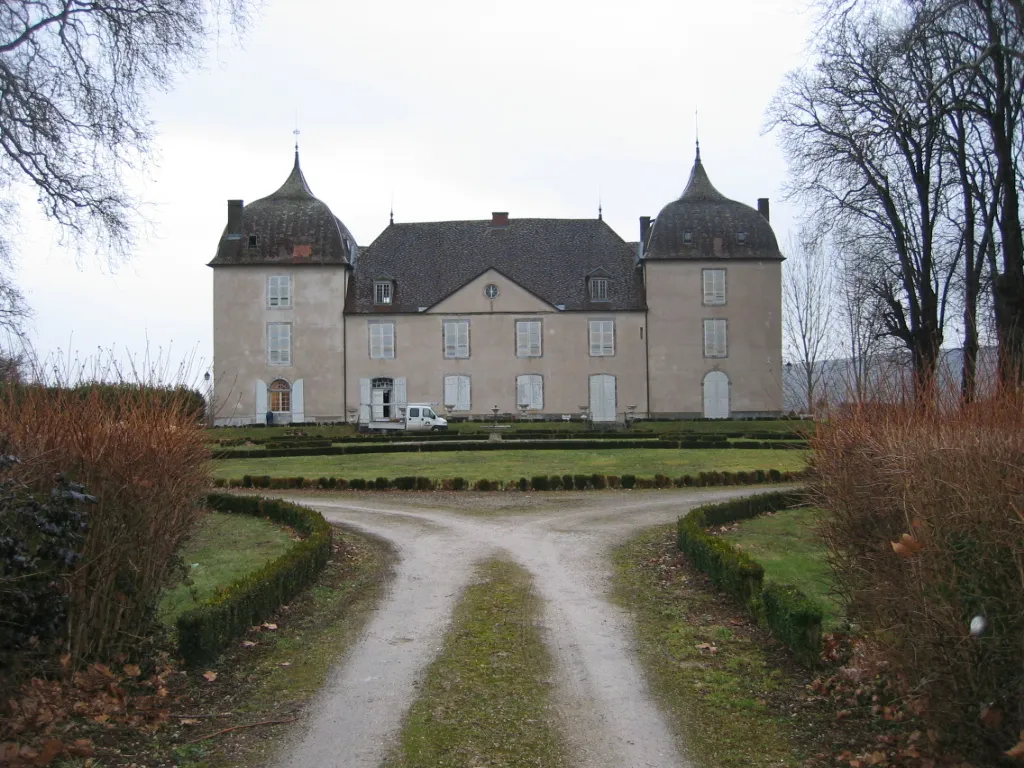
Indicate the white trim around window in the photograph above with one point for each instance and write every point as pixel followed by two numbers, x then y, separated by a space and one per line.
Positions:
pixel 381 334
pixel 456 339
pixel 602 338
pixel 530 391
pixel 716 342
pixel 529 334
pixel 279 344
pixel 598 288
pixel 714 287
pixel 279 292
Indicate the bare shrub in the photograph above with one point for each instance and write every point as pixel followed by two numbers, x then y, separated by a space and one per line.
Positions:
pixel 925 530
pixel 142 455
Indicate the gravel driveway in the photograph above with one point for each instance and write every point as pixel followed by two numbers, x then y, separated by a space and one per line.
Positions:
pixel 563 540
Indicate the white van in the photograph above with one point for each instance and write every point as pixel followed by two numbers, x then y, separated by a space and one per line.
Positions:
pixel 416 417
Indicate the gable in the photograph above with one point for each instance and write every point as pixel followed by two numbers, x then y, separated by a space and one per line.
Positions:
pixel 470 298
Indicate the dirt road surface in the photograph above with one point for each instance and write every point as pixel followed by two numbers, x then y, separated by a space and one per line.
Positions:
pixel 563 540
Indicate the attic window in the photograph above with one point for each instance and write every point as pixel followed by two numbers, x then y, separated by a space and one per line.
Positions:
pixel 687 238
pixel 382 292
pixel 254 241
pixel 741 238
pixel 599 289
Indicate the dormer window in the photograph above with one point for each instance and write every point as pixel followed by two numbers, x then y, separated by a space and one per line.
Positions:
pixel 254 241
pixel 687 238
pixel 599 289
pixel 382 291
pixel 741 238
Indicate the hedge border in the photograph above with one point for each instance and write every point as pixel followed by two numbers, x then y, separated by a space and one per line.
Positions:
pixel 500 445
pixel 578 482
pixel 788 613
pixel 204 631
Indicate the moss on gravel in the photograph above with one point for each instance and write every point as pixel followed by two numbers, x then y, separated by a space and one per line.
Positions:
pixel 705 663
pixel 487 698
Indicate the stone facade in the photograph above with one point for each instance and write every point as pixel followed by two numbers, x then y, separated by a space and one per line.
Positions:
pixel 545 317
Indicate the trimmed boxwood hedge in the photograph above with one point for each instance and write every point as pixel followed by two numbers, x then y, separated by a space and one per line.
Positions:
pixel 204 631
pixel 536 483
pixel 496 445
pixel 787 612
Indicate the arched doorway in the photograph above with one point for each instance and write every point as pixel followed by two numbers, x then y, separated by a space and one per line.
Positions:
pixel 716 395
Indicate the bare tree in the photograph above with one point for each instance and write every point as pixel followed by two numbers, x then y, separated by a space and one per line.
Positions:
pixel 861 328
pixel 73 80
pixel 863 134
pixel 808 316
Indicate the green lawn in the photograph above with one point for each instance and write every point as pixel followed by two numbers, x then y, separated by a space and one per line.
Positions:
pixel 786 545
pixel 223 549
pixel 510 464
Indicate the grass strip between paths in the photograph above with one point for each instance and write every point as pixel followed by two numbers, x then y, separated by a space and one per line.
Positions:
pixel 487 699
pixel 724 692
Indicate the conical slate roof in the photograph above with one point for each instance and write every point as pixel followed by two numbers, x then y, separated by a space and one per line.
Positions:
pixel 703 223
pixel 290 226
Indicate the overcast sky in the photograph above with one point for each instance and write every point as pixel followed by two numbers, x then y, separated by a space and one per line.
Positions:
pixel 454 109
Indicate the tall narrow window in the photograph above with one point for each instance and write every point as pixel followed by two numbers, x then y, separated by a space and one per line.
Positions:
pixel 599 289
pixel 457 393
pixel 602 338
pixel 714 287
pixel 279 343
pixel 530 391
pixel 456 339
pixel 382 291
pixel 280 396
pixel 528 338
pixel 279 291
pixel 382 341
pixel 715 342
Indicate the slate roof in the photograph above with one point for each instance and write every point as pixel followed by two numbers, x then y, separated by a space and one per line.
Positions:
pixel 551 258
pixel 293 227
pixel 714 223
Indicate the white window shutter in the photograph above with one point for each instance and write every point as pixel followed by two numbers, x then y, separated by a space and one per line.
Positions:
pixel 375 342
pixel 389 342
pixel 463 338
pixel 451 391
pixel 364 400
pixel 523 393
pixel 538 393
pixel 261 401
pixel 464 393
pixel 595 341
pixel 298 406
pixel 398 396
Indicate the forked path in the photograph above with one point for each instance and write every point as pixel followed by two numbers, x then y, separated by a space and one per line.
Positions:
pixel 563 540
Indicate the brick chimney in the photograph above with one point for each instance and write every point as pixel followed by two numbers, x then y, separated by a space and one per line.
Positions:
pixel 762 208
pixel 234 219
pixel 499 219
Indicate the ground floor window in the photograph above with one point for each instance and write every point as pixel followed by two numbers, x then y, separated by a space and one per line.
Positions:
pixel 530 392
pixel 280 396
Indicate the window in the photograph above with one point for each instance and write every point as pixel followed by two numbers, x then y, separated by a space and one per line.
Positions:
pixel 530 391
pixel 457 393
pixel 715 343
pixel 279 343
pixel 687 238
pixel 254 241
pixel 741 238
pixel 714 287
pixel 279 291
pixel 599 289
pixel 280 396
pixel 602 338
pixel 382 292
pixel 414 413
pixel 456 338
pixel 382 341
pixel 528 336
pixel 491 291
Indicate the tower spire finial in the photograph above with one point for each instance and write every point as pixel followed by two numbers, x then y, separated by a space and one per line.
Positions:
pixel 600 206
pixel 392 218
pixel 696 133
